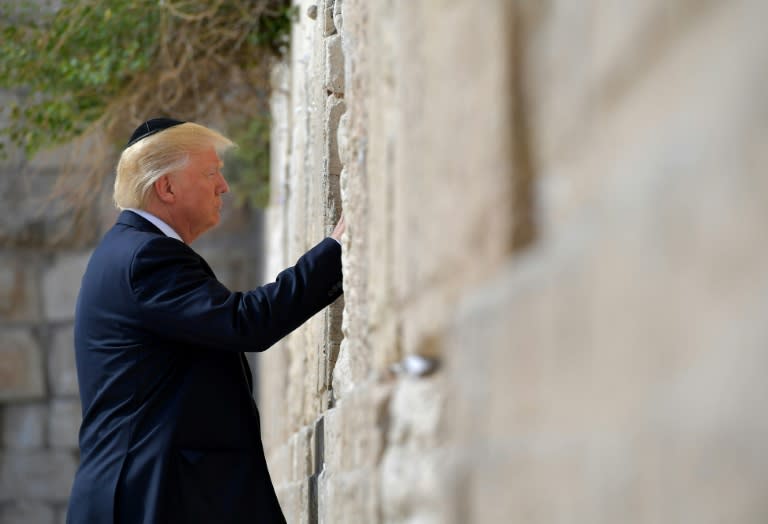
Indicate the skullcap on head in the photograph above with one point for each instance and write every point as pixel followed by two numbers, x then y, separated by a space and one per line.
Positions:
pixel 150 127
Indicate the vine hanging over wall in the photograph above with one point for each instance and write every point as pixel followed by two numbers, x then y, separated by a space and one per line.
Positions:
pixel 107 65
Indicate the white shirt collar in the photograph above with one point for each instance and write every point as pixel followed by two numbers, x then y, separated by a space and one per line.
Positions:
pixel 162 226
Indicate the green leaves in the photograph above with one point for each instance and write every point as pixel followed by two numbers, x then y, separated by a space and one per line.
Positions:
pixel 72 66
pixel 69 65
pixel 247 166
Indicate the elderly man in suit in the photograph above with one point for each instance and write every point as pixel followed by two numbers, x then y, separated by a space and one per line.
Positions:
pixel 170 431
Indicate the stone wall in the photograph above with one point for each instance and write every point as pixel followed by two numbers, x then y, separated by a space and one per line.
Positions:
pixel 558 205
pixel 42 258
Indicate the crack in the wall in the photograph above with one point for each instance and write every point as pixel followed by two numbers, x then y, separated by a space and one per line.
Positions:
pixel 318 466
pixel 523 170
pixel 332 165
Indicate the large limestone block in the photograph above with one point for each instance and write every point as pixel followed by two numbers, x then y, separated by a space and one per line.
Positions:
pixel 412 486
pixel 302 464
pixel 355 430
pixel 25 512
pixel 18 290
pixel 294 500
pixel 601 399
pixel 334 65
pixel 58 158
pixel 350 497
pixel 21 367
pixel 279 462
pixel 338 18
pixel 335 108
pixel 273 383
pixel 62 373
pixel 64 423
pixel 454 188
pixel 326 7
pixel 34 217
pixel 416 412
pixel 61 285
pixel 40 475
pixel 23 425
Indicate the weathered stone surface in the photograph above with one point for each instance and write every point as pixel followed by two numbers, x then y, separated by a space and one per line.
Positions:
pixel 328 27
pixel 21 367
pixel 61 514
pixel 27 513
pixel 417 411
pixel 342 138
pixel 279 460
pixel 18 290
pixel 334 110
pixel 302 464
pixel 338 18
pixel 411 486
pixel 36 475
pixel 356 429
pixel 294 500
pixel 23 425
pixel 62 284
pixel 606 368
pixel 54 159
pixel 64 423
pixel 334 65
pixel 349 497
pixel 62 373
pixel 34 218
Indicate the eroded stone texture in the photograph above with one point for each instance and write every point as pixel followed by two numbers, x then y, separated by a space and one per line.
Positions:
pixel 21 366
pixel 27 513
pixel 332 165
pixel 42 475
pixel 561 206
pixel 62 284
pixel 19 290
pixel 62 373
pixel 64 423
pixel 334 65
pixel 24 425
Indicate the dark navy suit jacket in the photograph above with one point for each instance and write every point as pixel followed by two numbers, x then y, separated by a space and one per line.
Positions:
pixel 170 432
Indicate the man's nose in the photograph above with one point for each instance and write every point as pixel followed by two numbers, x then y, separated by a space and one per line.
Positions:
pixel 222 186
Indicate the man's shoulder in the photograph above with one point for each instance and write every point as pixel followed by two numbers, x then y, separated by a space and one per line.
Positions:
pixel 126 241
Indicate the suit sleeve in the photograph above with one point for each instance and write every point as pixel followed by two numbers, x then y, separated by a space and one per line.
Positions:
pixel 177 298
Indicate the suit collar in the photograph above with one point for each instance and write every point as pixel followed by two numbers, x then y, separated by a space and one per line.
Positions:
pixel 158 223
pixel 129 218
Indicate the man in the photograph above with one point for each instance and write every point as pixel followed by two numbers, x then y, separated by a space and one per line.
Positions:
pixel 170 432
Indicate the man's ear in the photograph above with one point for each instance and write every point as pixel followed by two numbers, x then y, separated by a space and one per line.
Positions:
pixel 164 189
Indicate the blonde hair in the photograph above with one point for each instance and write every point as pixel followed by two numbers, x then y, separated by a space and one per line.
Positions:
pixel 150 158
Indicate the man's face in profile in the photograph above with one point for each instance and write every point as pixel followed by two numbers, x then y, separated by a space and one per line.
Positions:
pixel 198 189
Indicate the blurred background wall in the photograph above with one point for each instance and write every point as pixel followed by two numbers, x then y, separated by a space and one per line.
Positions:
pixel 560 205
